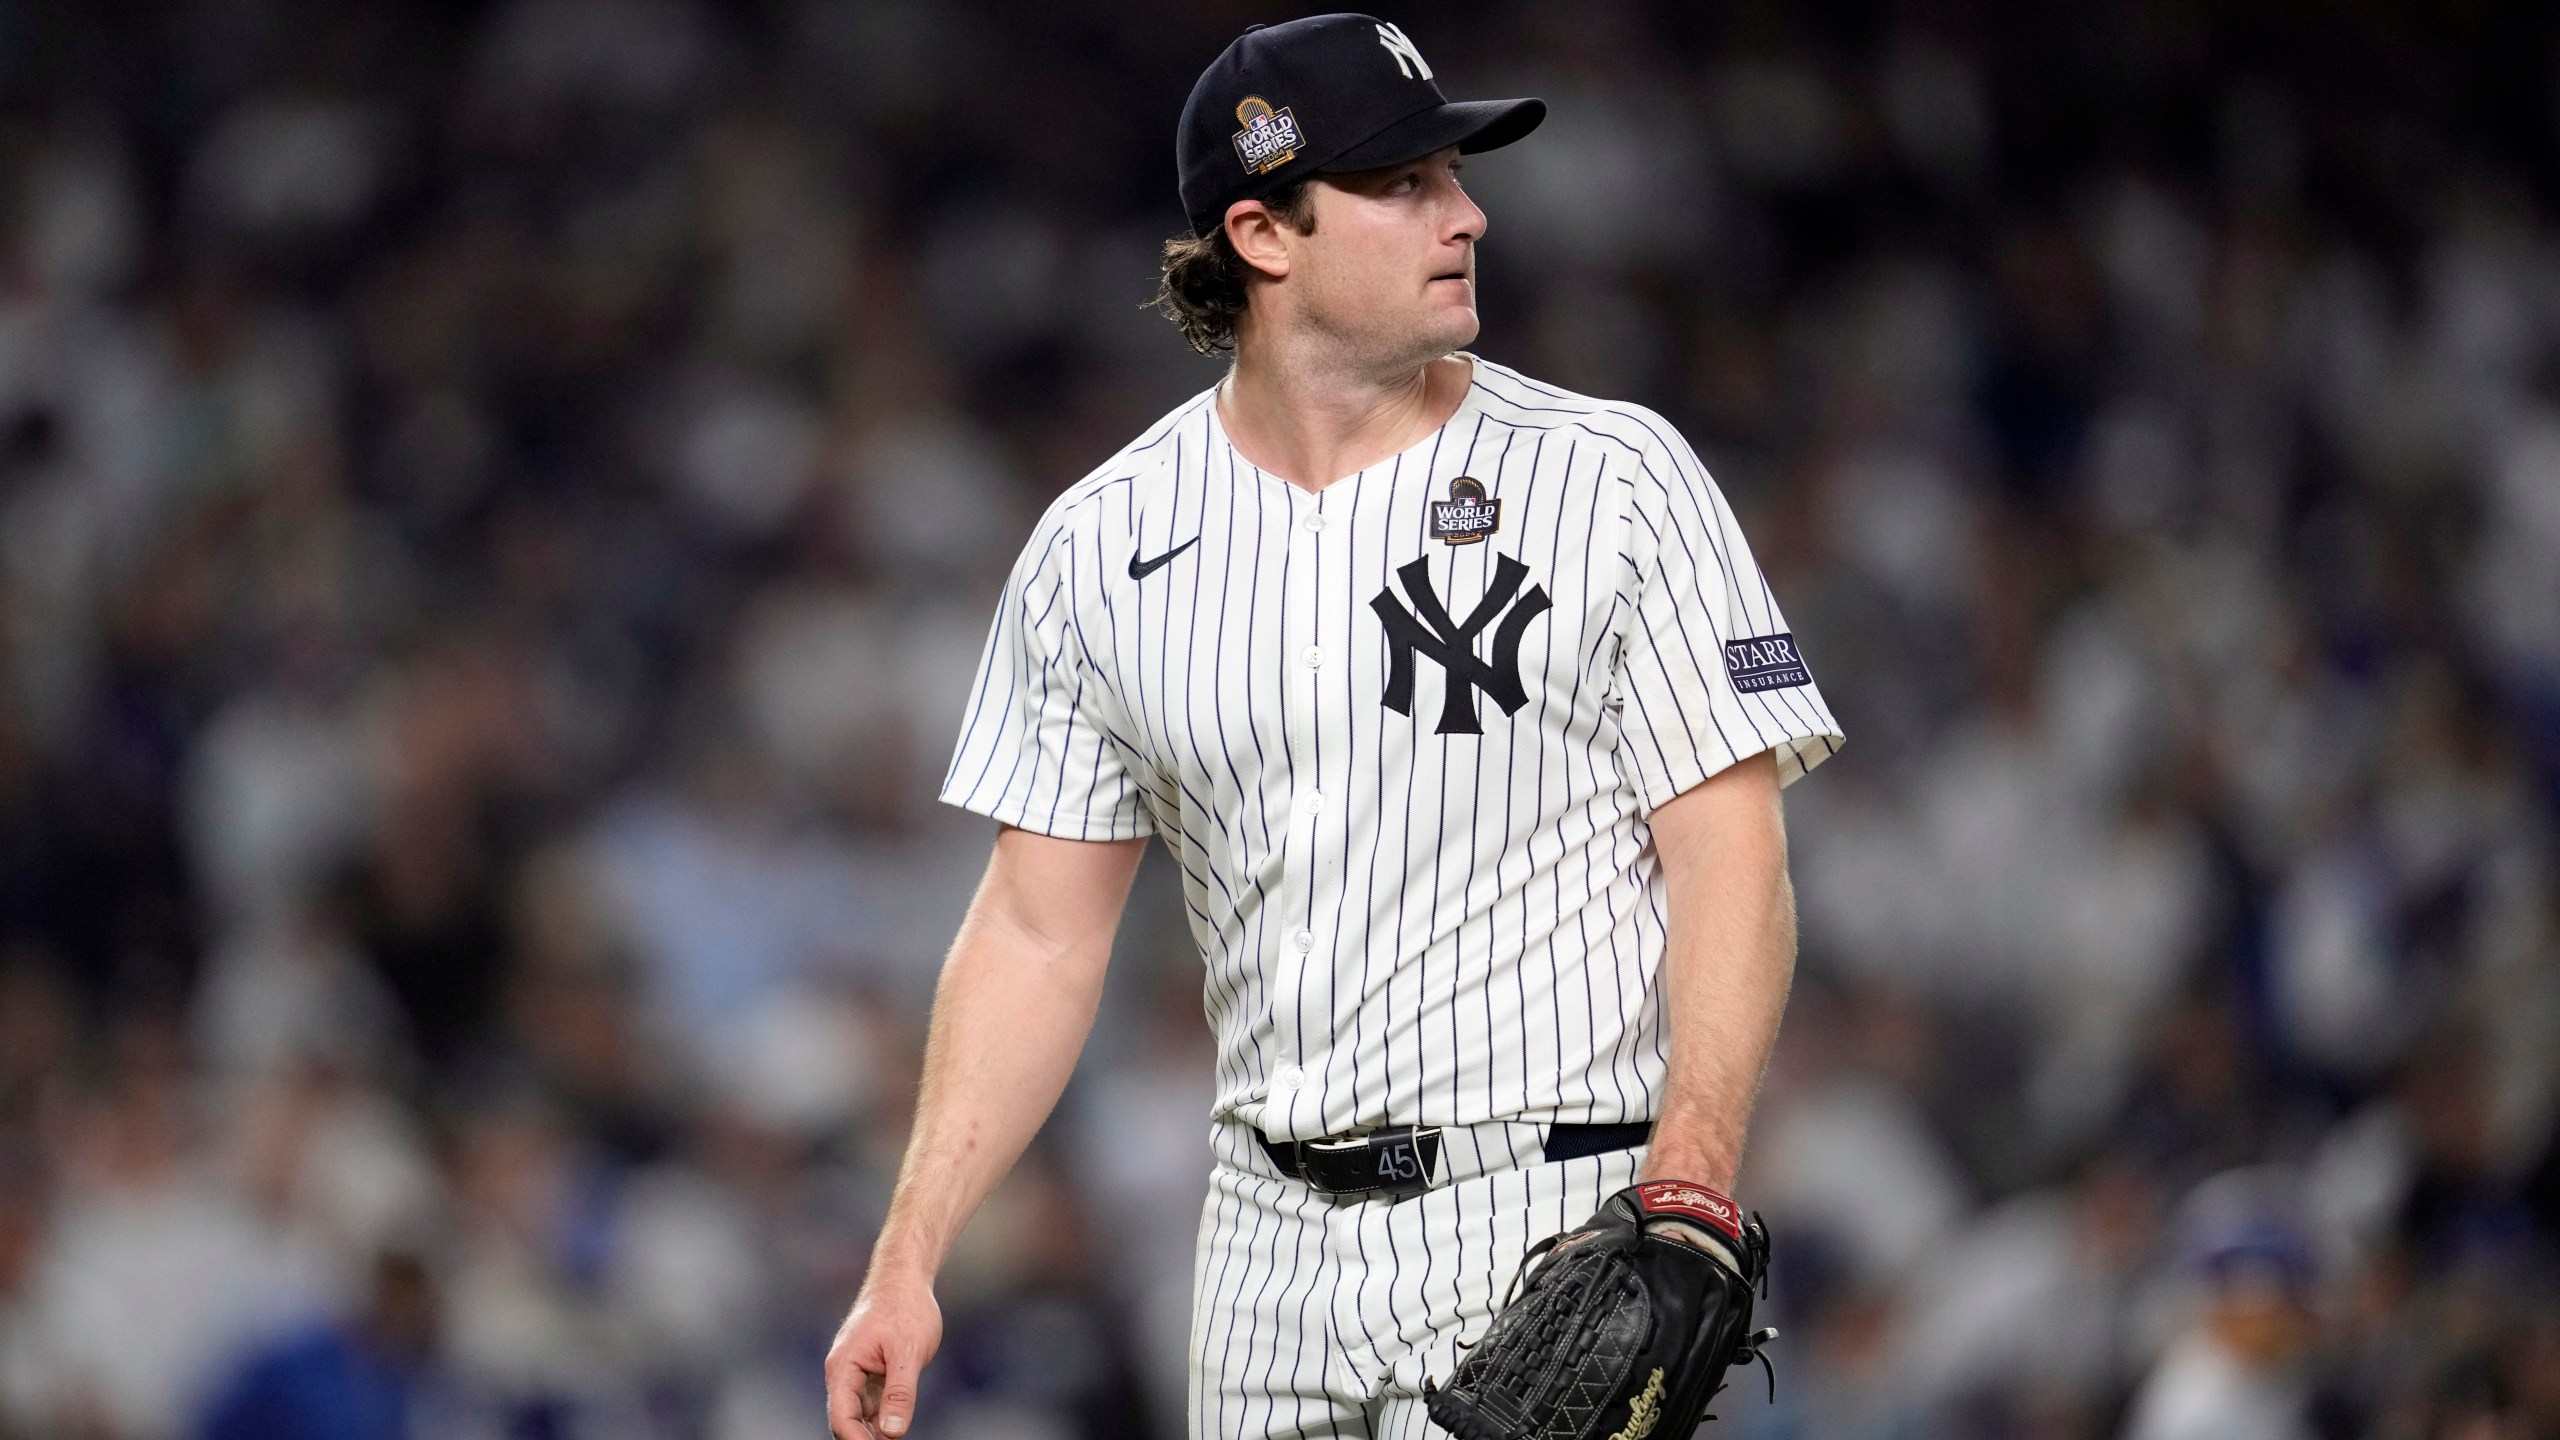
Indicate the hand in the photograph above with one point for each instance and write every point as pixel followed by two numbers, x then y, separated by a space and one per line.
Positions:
pixel 1696 1237
pixel 1639 1353
pixel 893 1329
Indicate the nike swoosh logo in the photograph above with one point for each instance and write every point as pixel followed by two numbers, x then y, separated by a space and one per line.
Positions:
pixel 1141 569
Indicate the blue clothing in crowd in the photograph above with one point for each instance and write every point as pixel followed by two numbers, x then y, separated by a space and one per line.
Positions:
pixel 321 1384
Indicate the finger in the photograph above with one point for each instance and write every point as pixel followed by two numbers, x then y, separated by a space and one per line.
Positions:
pixel 898 1397
pixel 845 1387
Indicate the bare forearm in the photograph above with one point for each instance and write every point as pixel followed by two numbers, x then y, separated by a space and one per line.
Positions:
pixel 1016 1001
pixel 1010 1016
pixel 1726 969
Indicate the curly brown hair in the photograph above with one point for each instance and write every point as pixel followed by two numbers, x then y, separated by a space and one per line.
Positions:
pixel 1202 290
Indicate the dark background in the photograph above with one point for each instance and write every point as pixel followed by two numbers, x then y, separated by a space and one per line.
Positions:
pixel 498 504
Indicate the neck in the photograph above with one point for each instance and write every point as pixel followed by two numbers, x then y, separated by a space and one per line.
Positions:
pixel 1312 417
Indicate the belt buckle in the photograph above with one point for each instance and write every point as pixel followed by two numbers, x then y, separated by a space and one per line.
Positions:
pixel 1395 1161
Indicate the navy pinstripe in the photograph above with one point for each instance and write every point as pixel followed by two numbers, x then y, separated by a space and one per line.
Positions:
pixel 1397 925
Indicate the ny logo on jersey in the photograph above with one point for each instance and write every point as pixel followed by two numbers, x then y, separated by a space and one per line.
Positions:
pixel 1408 59
pixel 1453 644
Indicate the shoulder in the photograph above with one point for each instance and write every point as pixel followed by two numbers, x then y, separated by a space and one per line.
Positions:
pixel 1647 453
pixel 1631 430
pixel 1151 459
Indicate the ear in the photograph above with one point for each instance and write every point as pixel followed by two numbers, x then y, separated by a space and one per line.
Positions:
pixel 1257 235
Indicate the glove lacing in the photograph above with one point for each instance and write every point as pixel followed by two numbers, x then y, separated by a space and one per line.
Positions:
pixel 1755 1238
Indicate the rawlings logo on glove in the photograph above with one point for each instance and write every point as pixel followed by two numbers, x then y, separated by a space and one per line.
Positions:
pixel 1643 1410
pixel 1678 1197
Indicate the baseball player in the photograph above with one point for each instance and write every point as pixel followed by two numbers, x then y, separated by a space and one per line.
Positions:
pixel 1463 708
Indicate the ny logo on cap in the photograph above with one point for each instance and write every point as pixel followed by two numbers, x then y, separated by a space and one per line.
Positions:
pixel 1401 48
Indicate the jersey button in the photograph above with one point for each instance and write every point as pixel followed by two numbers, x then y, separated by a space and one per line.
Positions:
pixel 1315 522
pixel 1305 940
pixel 1314 656
pixel 1315 803
pixel 1289 1078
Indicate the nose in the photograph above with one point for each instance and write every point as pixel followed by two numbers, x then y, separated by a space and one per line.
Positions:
pixel 1468 217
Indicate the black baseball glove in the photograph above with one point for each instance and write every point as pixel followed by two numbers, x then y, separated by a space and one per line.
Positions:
pixel 1622 1329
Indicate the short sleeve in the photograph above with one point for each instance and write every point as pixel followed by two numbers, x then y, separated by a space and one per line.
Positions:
pixel 1036 748
pixel 1708 671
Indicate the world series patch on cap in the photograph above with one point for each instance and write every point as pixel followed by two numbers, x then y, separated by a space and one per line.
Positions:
pixel 1269 138
pixel 1323 95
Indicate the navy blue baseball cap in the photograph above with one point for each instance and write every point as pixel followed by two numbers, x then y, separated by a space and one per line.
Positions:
pixel 1327 93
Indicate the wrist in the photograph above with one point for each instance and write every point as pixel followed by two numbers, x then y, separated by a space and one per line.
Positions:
pixel 1668 1158
pixel 900 1263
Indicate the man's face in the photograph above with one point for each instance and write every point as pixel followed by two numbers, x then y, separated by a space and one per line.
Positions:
pixel 1390 266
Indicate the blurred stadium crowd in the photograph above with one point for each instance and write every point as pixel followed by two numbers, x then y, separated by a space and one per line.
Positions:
pixel 498 503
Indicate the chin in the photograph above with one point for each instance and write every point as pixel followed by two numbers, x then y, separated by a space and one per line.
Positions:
pixel 1454 318
pixel 1424 337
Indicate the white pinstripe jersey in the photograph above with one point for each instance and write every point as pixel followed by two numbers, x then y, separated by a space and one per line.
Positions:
pixel 1401 741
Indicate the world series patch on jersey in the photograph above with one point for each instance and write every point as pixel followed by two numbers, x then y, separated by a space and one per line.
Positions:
pixel 1402 736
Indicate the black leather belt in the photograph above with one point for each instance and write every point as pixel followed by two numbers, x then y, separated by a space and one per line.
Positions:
pixel 1404 1159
